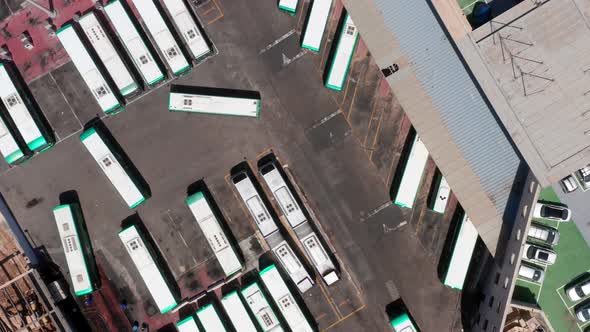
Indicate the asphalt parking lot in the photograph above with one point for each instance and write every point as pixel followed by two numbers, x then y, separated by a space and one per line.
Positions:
pixel 342 149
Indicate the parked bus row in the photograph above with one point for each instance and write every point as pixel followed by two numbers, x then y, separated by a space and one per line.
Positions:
pixel 314 249
pixel 23 129
pixel 84 277
pixel 346 39
pixel 114 75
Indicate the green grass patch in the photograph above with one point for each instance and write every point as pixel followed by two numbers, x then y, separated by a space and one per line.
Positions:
pixel 467 6
pixel 573 259
pixel 525 291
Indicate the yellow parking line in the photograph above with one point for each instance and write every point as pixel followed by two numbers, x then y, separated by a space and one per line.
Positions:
pixel 208 11
pixel 329 300
pixel 354 94
pixel 344 318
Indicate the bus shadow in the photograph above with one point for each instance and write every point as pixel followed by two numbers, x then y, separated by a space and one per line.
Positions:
pixel 213 91
pixel 71 197
pixel 135 220
pixel 401 165
pixel 201 186
pixel 271 158
pixel 452 233
pixel 120 153
pixel 244 167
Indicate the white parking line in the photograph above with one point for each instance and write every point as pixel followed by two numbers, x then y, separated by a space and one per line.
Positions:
pixel 278 40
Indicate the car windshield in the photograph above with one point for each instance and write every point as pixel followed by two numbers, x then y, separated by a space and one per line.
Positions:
pixel 551 212
pixel 579 291
pixel 550 236
pixel 530 253
pixel 585 313
pixel 543 256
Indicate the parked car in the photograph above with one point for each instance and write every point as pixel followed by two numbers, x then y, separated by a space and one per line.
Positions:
pixel 546 234
pixel 583 312
pixel 553 212
pixel 568 184
pixel 583 175
pixel 579 291
pixel 531 272
pixel 539 254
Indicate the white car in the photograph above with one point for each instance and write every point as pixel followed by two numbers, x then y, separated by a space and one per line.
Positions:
pixel 539 254
pixel 583 312
pixel 553 212
pixel 568 184
pixel 579 291
pixel 583 175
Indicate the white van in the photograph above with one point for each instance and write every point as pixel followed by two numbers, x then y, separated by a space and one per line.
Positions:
pixel 531 272
pixel 544 234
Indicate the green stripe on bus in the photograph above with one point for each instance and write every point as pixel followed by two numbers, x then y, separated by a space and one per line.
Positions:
pixel 36 143
pixel 349 59
pixel 88 132
pixel 168 308
pixel 84 291
pixel 134 205
pixel 59 207
pixel 14 157
pixel 288 9
pixel 315 49
pixel 63 28
pixel 182 70
pixel 110 110
pixel 156 80
pixel 195 197
pixel 334 87
pixel 128 89
pixel 268 268
pixel 184 321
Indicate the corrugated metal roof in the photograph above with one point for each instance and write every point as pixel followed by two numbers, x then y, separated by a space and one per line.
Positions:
pixel 470 121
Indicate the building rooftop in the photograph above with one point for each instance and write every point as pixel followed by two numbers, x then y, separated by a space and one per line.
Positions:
pixel 536 72
pixel 446 107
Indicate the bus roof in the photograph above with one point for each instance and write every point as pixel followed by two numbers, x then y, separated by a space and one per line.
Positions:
pixel 256 206
pixel 461 257
pixel 237 313
pixel 187 325
pixel 216 237
pixel 165 42
pixel 284 299
pixel 210 319
pixel 107 54
pixel 147 268
pixel 316 24
pixel 9 148
pixel 90 73
pixel 73 250
pixel 278 186
pixel 112 167
pixel 137 49
pixel 343 56
pixel 188 28
pixel 412 175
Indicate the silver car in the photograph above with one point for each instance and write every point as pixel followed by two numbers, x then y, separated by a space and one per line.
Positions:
pixel 568 184
pixel 579 291
pixel 583 312
pixel 553 212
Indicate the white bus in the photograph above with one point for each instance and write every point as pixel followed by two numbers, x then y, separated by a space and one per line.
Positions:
pixel 254 204
pixel 347 41
pixel 188 28
pixel 223 250
pixel 100 89
pixel 134 45
pixel 237 313
pixel 213 101
pixel 439 194
pixel 187 325
pixel 76 245
pixel 412 175
pixel 148 269
pixel 462 251
pixel 296 217
pixel 108 55
pixel 162 36
pixel 316 24
pixel 25 117
pixel 210 320
pixel 284 300
pixel 269 230
pixel 290 6
pixel 113 167
pixel 9 147
pixel 267 319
